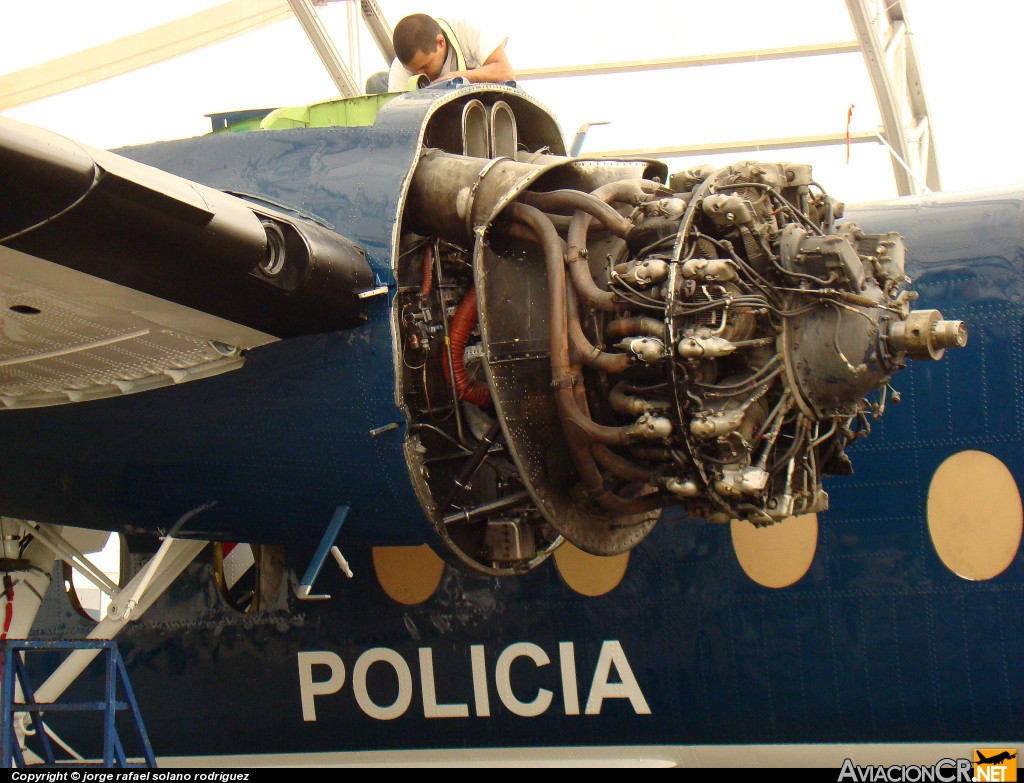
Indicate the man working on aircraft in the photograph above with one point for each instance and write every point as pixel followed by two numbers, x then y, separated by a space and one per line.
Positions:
pixel 441 50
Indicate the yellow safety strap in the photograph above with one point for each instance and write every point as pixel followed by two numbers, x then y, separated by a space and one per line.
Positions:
pixel 453 41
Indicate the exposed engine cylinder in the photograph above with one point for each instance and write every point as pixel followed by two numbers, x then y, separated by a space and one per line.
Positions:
pixel 713 344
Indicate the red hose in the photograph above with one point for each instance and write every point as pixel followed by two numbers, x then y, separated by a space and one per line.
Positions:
pixel 462 324
pixel 428 263
pixel 9 613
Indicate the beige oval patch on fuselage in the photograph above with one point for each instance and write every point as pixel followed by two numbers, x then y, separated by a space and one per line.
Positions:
pixel 974 515
pixel 777 555
pixel 590 575
pixel 409 574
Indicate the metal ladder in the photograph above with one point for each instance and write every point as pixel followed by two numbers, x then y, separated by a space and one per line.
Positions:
pixel 11 753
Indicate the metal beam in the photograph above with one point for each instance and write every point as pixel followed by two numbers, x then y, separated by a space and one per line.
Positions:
pixel 723 58
pixel 757 145
pixel 317 34
pixel 922 134
pixel 379 29
pixel 175 556
pixel 136 51
pixel 60 546
pixel 896 78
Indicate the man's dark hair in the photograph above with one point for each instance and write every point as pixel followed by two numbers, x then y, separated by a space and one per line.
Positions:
pixel 415 33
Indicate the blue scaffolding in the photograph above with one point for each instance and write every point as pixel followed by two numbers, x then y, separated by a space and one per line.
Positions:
pixel 14 651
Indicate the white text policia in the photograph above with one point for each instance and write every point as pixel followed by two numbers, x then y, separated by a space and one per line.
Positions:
pixel 603 685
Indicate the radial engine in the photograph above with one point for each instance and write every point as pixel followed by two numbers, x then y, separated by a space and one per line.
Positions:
pixel 623 348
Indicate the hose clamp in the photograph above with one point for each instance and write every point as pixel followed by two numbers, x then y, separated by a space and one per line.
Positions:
pixel 472 192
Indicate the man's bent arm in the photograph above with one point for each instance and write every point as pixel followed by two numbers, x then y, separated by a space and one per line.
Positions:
pixel 496 68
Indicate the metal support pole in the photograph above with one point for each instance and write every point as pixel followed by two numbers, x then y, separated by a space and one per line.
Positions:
pixel 326 546
pixel 307 16
pixel 379 29
pixel 60 547
pixel 181 553
pixel 885 92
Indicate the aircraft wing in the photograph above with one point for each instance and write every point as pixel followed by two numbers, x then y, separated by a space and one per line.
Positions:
pixel 68 336
pixel 117 278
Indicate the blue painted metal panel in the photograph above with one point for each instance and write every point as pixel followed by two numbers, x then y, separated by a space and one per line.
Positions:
pixel 879 642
